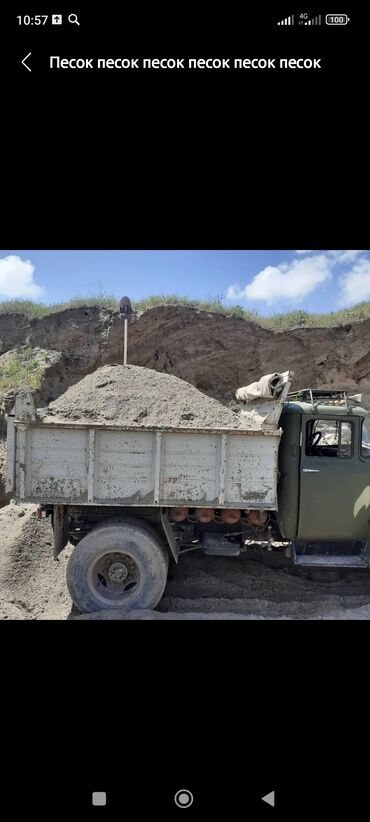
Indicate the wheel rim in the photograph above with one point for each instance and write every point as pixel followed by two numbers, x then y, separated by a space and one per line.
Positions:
pixel 114 577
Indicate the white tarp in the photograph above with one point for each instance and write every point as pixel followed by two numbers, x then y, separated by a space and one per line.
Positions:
pixel 268 387
pixel 263 400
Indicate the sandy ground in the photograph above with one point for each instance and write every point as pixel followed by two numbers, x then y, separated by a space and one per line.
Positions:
pixel 32 583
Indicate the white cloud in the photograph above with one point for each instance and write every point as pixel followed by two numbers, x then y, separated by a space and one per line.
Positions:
pixel 16 278
pixel 342 257
pixel 339 256
pixel 355 284
pixel 287 281
pixel 234 292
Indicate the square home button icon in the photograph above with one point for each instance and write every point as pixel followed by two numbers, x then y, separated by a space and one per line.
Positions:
pixel 99 798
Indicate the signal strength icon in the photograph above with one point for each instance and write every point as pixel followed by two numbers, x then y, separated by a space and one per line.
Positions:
pixel 289 21
pixel 315 21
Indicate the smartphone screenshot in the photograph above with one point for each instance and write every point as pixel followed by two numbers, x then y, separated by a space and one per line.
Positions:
pixel 184 410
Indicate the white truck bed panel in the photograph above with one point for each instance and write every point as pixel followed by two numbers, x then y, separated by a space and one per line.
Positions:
pixel 124 465
pixel 190 467
pixel 251 472
pixel 55 463
pixel 89 464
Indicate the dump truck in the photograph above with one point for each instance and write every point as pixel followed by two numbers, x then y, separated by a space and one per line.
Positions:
pixel 291 478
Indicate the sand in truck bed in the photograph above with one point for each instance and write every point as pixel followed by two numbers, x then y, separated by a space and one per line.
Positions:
pixel 132 395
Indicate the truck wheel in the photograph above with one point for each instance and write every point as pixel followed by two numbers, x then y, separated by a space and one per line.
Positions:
pixel 118 565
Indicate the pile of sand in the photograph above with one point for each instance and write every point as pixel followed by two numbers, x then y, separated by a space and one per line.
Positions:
pixel 131 395
pixel 32 583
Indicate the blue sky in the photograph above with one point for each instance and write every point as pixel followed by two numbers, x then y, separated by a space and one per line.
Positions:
pixel 268 281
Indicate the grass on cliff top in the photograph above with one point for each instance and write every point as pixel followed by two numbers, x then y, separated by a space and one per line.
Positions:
pixel 19 369
pixel 276 322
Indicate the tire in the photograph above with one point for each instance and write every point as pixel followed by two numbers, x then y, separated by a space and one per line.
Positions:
pixel 120 564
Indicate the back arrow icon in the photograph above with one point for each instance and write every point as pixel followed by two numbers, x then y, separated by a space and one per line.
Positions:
pixel 269 798
pixel 25 58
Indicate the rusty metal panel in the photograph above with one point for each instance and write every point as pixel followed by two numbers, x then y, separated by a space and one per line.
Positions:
pixel 57 464
pixel 102 426
pixel 21 458
pixel 120 467
pixel 251 472
pixel 125 467
pixel 223 455
pixel 10 456
pixel 190 468
pixel 91 466
pixel 157 466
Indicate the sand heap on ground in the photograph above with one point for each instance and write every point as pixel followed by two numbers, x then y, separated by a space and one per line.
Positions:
pixel 132 395
pixel 32 583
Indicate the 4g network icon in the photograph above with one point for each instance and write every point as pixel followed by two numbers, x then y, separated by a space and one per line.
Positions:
pixel 305 19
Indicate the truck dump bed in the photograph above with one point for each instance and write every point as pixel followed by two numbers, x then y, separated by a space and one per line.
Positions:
pixel 102 465
pixel 98 464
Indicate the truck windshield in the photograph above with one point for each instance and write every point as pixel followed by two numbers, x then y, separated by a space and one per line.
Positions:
pixel 365 441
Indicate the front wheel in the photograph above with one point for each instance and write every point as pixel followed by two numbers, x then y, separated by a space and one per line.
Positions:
pixel 118 565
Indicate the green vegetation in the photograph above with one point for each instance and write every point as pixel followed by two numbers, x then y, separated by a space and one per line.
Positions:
pixel 215 305
pixel 276 322
pixel 19 369
pixel 35 310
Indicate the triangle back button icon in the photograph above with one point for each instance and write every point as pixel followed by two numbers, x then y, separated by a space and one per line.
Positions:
pixel 269 798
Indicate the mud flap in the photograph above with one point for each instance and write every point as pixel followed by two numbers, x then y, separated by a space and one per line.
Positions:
pixel 173 544
pixel 60 528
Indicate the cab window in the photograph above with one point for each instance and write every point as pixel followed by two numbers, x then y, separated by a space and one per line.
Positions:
pixel 329 438
pixel 365 441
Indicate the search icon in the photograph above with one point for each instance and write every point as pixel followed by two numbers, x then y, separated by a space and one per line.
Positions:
pixel 72 18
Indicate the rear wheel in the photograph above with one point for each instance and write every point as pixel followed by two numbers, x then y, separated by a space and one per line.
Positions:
pixel 118 565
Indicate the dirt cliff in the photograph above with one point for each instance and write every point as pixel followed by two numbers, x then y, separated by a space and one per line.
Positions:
pixel 216 353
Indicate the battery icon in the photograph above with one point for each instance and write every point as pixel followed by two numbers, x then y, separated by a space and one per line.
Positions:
pixel 336 19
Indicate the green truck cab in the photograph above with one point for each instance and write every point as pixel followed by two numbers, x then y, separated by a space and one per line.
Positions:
pixel 324 470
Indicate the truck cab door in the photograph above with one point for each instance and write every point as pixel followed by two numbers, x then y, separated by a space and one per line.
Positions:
pixel 334 480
